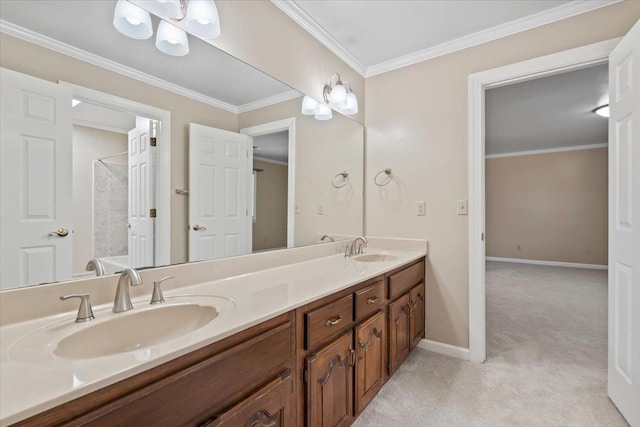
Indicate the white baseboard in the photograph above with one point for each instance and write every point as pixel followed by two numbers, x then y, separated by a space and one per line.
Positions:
pixel 446 349
pixel 551 263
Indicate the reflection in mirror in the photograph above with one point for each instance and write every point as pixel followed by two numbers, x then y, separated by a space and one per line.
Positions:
pixel 166 160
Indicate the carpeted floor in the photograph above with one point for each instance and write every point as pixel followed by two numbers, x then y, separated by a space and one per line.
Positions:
pixel 546 362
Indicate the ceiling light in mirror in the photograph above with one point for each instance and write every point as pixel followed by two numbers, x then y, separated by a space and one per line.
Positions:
pixel 202 18
pixel 170 8
pixel 132 21
pixel 323 112
pixel 309 106
pixel 172 40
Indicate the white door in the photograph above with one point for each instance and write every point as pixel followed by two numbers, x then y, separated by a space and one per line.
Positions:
pixel 35 180
pixel 624 226
pixel 219 174
pixel 142 167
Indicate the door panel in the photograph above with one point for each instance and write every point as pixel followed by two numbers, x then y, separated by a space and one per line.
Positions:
pixel 624 226
pixel 142 167
pixel 399 332
pixel 35 180
pixel 219 173
pixel 370 360
pixel 417 314
pixel 330 384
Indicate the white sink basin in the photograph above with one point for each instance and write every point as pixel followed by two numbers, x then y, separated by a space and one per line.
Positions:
pixel 375 258
pixel 136 330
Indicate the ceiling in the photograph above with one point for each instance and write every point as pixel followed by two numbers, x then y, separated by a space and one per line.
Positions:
pixel 546 113
pixel 87 25
pixel 372 35
pixel 272 147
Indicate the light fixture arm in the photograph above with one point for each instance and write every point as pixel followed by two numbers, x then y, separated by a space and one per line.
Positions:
pixel 327 88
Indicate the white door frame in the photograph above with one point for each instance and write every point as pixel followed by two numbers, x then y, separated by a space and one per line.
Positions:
pixel 163 151
pixel 527 70
pixel 279 126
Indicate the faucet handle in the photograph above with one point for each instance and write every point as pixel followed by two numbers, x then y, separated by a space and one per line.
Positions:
pixel 157 297
pixel 85 312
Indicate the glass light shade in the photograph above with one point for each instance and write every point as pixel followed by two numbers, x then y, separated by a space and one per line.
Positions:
pixel 324 112
pixel 163 8
pixel 338 97
pixel 352 104
pixel 132 21
pixel 202 18
pixel 172 40
pixel 309 106
pixel 602 110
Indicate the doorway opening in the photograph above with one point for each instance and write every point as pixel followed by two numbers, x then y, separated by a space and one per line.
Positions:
pixel 274 148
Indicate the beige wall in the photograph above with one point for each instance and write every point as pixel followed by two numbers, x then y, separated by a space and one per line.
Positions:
pixel 550 207
pixel 416 121
pixel 88 145
pixel 46 64
pixel 323 149
pixel 270 228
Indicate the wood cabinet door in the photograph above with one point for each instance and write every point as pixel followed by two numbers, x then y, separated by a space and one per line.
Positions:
pixel 270 406
pixel 330 384
pixel 399 332
pixel 370 357
pixel 417 314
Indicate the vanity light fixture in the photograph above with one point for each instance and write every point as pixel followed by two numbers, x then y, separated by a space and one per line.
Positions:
pixel 132 20
pixel 172 40
pixel 602 110
pixel 339 97
pixel 323 112
pixel 200 17
pixel 309 106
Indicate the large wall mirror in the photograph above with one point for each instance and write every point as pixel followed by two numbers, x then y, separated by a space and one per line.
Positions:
pixel 117 152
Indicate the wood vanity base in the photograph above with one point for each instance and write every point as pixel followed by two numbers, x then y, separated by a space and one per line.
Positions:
pixel 319 365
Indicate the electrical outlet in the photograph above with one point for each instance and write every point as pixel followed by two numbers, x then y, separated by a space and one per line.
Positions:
pixel 463 207
pixel 421 208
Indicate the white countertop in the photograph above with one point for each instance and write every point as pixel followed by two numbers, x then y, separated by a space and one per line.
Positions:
pixel 33 379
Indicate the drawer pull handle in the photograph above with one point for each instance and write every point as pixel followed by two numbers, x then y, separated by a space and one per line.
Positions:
pixel 263 418
pixel 332 322
pixel 372 300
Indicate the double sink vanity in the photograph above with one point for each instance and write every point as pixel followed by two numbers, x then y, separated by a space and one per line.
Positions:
pixel 306 337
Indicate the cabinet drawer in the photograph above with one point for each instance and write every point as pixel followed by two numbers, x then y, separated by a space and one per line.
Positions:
pixel 328 321
pixel 271 405
pixel 402 281
pixel 369 300
pixel 204 388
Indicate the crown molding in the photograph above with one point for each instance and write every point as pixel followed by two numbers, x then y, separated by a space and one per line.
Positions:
pixel 108 128
pixel 549 16
pixel 99 61
pixel 301 17
pixel 265 102
pixel 546 151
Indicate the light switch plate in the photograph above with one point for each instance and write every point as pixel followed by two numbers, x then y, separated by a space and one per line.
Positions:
pixel 421 208
pixel 320 209
pixel 463 207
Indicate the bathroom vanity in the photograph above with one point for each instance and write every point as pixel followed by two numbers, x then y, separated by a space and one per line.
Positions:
pixel 314 353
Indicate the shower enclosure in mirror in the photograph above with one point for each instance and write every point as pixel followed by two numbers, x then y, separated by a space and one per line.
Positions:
pixel 112 150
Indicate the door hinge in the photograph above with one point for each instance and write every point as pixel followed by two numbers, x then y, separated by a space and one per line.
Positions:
pixel 152 213
pixel 305 376
pixel 153 141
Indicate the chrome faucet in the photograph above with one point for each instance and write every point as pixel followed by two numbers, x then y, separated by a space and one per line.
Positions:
pixel 326 236
pixel 96 265
pixel 122 301
pixel 353 248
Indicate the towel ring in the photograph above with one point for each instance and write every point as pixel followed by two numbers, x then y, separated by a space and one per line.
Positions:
pixel 386 171
pixel 345 179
